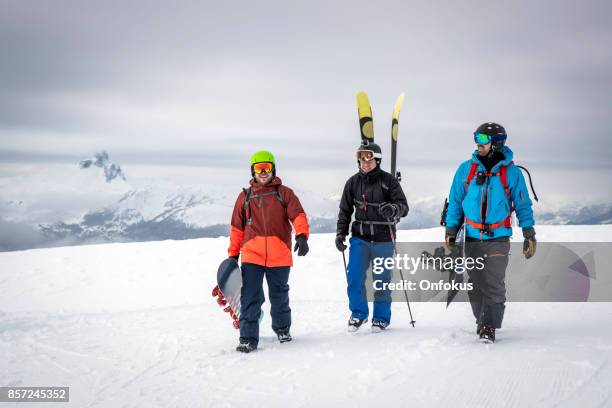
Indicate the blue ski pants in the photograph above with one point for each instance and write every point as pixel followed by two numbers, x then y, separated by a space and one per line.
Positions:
pixel 361 254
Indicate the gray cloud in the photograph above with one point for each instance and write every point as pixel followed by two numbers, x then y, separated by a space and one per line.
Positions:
pixel 217 80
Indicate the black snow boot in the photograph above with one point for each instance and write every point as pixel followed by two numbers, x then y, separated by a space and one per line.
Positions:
pixel 283 335
pixel 246 346
pixel 378 326
pixel 355 323
pixel 487 334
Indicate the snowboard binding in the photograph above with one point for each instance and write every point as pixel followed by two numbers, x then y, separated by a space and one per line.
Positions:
pixel 222 302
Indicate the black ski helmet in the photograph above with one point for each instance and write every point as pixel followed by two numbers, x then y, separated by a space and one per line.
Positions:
pixel 496 131
pixel 371 147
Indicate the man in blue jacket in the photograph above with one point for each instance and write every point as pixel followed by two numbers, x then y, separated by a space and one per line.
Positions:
pixel 485 191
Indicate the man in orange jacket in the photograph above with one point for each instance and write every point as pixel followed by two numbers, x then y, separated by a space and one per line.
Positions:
pixel 260 232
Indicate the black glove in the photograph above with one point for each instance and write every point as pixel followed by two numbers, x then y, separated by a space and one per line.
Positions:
pixel 235 257
pixel 301 245
pixel 529 246
pixel 450 238
pixel 388 210
pixel 340 242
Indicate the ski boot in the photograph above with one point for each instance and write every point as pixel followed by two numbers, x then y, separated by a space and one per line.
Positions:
pixel 246 346
pixel 378 326
pixel 487 334
pixel 355 323
pixel 283 335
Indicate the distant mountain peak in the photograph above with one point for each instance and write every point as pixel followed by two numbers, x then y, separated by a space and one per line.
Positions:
pixel 101 159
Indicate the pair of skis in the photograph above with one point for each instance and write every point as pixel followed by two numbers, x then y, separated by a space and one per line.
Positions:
pixel 366 126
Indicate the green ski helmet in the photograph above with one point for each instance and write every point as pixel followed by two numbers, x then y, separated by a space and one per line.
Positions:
pixel 260 157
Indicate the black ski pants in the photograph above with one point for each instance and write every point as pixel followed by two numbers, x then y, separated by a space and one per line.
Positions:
pixel 488 295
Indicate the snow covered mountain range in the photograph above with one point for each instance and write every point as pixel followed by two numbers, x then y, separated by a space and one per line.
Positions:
pixel 71 207
pixel 148 214
pixel 151 214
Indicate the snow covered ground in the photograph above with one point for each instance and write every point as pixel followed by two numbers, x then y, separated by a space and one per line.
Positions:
pixel 134 325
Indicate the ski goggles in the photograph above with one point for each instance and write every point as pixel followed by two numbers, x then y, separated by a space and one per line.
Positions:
pixel 264 167
pixel 368 155
pixel 482 138
pixel 365 155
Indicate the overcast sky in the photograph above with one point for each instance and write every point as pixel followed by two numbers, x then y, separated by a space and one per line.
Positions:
pixel 209 82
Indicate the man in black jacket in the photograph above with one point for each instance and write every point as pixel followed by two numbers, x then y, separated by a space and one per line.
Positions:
pixel 379 202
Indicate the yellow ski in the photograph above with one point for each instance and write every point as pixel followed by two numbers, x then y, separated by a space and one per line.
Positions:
pixel 394 129
pixel 366 125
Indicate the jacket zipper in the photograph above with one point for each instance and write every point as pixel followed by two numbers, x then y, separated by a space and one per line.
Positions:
pixel 481 203
pixel 486 202
pixel 263 213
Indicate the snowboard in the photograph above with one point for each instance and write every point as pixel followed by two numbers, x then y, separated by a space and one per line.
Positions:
pixel 228 288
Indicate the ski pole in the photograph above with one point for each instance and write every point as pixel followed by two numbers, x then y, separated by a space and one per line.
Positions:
pixel 412 321
pixel 344 260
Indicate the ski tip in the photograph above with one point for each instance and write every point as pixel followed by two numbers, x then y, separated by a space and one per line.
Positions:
pixel 361 94
pixel 364 110
pixel 363 101
pixel 363 104
pixel 398 105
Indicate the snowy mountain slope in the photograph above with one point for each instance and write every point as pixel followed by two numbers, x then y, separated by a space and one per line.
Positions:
pixel 135 325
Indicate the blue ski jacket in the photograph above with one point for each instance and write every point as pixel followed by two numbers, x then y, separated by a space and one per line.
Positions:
pixel 489 204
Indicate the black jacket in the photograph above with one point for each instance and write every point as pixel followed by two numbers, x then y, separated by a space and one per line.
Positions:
pixel 363 193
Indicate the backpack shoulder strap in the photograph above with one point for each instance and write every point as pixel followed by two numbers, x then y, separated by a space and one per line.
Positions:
pixel 471 175
pixel 247 196
pixel 280 197
pixel 504 178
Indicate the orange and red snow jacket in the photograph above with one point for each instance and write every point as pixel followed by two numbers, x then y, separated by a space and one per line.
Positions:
pixel 261 231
